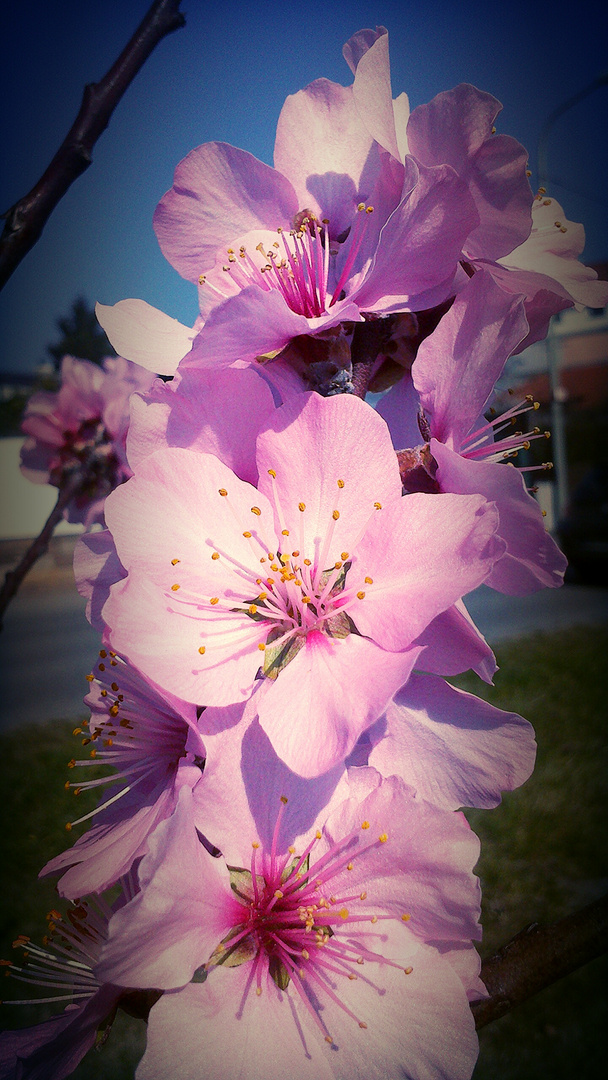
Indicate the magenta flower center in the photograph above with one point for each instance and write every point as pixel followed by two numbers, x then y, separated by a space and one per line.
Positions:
pixel 300 263
pixel 297 922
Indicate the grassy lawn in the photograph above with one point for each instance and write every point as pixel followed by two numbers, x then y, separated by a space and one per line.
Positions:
pixel 544 854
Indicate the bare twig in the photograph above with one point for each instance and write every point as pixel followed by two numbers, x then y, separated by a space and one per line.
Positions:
pixel 539 956
pixel 27 218
pixel 39 546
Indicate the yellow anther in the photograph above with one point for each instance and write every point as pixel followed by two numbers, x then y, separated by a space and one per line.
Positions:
pixel 114 687
pixel 369 581
pixel 77 731
pixel 252 609
pixel 202 279
pixel 71 764
pixel 89 678
pixel 335 515
pixel 344 555
pixel 306 599
pixel 278 894
pixel 274 567
pixel 258 990
pixel 256 510
pixel 363 895
pixel 383 838
pixel 222 491
pixel 349 866
pixel 408 970
pixel 365 824
pixel 174 562
pixel 113 710
pixel 405 918
pixel 374 919
pixel 307 562
pixel 214 600
pixel 306 954
pixel 369 209
pixel 201 650
pixel 302 507
pixel 362 1024
pixel 318 837
pixel 343 913
pixel 67 785
pixel 272 473
pixel 103 653
pixel 361 207
pixel 378 506
pixel 255 844
pixel 247 535
pixel 102 667
pixel 284 532
pixel 284 800
pixel 340 483
pixel 263 596
pixel 337 566
pixel 68 826
pixel 360 596
pixel 328 1039
pixel 493 130
pixel 261 646
pixel 174 588
pixel 215 555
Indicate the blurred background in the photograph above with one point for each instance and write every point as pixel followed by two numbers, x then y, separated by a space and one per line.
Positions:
pixel 225 76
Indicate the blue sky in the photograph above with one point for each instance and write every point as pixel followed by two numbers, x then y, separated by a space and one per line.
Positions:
pixel 225 76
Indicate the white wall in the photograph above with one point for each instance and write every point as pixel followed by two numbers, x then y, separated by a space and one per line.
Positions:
pixel 24 507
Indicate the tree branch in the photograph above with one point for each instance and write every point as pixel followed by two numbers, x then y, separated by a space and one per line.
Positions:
pixel 27 218
pixel 39 546
pixel 539 956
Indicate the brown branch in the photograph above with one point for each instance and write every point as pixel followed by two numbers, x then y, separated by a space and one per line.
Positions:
pixel 539 956
pixel 27 218
pixel 39 546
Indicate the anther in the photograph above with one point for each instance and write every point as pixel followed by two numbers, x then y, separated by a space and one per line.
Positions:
pixel 335 515
pixel 174 562
pixel 405 918
pixel 256 510
pixel 302 507
pixel 383 838
pixel 214 600
pixel 365 824
pixel 222 491
pixel 201 650
pixel 215 555
pixel 174 588
pixel 360 596
pixel 340 483
pixel 378 506
pixel 272 473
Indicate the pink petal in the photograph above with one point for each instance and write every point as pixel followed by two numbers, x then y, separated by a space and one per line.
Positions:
pixel 145 335
pixel 206 413
pixel 455 128
pixel 458 364
pixel 181 885
pixel 532 559
pixel 423 553
pixel 255 322
pixel 453 644
pixel 325 150
pixel 373 96
pixel 218 193
pixel 421 243
pixel 312 443
pixel 331 691
pixel 453 748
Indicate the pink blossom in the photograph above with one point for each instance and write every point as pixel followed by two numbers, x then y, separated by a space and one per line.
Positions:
pixel 526 242
pixel 153 745
pixel 52 1049
pixel 82 427
pixel 320 580
pixel 454 374
pixel 347 951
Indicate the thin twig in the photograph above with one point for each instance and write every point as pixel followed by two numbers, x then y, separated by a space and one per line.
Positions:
pixel 538 956
pixel 27 218
pixel 39 546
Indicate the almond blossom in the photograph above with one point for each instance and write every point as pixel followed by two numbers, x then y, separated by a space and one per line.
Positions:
pixel 152 743
pixel 82 428
pixel 309 590
pixel 452 379
pixel 347 953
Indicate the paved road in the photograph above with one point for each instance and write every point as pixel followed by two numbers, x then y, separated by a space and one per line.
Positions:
pixel 47 646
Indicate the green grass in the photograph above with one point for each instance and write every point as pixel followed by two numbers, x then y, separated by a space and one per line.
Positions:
pixel 544 854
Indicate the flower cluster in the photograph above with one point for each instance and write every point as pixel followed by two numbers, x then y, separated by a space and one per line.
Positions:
pixel 279 591
pixel 79 433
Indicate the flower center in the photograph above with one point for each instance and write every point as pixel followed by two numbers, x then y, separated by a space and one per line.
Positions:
pixel 299 263
pixel 294 924
pixel 289 594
